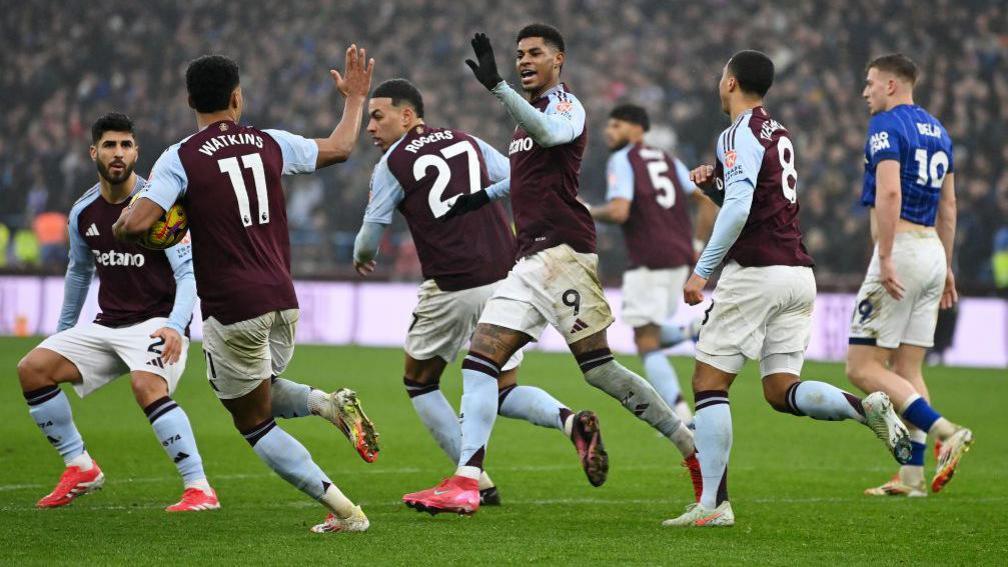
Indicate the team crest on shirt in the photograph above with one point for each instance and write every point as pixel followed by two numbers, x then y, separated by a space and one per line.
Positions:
pixel 729 159
pixel 223 127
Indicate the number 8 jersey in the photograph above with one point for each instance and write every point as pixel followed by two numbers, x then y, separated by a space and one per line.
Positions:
pixel 908 134
pixel 757 149
pixel 421 174
pixel 227 176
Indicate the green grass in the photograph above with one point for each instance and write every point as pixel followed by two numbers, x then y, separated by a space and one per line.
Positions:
pixel 795 483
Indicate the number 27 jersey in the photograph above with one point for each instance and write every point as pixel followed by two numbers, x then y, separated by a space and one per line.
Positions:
pixel 757 149
pixel 227 177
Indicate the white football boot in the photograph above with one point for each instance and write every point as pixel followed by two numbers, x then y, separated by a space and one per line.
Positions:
pixel 698 516
pixel 952 449
pixel 881 418
pixel 357 522
pixel 896 487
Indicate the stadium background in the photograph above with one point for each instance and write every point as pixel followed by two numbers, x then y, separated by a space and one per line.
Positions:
pixel 67 62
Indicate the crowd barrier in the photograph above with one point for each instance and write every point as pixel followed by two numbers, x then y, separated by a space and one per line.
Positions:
pixel 378 314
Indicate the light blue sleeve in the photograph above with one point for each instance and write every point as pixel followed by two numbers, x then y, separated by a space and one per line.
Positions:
pixel 730 221
pixel 77 282
pixel 180 258
pixel 367 241
pixel 386 194
pixel 561 122
pixel 682 172
pixel 619 176
pixel 299 153
pixel 747 157
pixel 498 169
pixel 168 180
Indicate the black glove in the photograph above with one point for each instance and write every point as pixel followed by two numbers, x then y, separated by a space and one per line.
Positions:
pixel 486 68
pixel 467 203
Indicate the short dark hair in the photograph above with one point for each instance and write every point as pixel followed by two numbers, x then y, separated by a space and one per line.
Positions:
pixel 753 70
pixel 550 35
pixel 110 122
pixel 633 114
pixel 400 91
pixel 210 79
pixel 897 64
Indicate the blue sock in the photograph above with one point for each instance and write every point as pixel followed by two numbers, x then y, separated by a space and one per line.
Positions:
pixel 289 399
pixel 672 335
pixel 50 409
pixel 662 376
pixel 171 425
pixel 287 458
pixel 920 414
pixel 532 404
pixel 917 451
pixel 478 410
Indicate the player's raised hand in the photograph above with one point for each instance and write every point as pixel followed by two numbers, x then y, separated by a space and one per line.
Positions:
pixel 356 77
pixel 485 66
pixel 703 176
pixel 890 280
pixel 950 296
pixel 693 290
pixel 172 348
pixel 365 268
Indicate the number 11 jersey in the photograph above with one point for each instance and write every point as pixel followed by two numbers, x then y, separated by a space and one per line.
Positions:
pixel 757 149
pixel 227 177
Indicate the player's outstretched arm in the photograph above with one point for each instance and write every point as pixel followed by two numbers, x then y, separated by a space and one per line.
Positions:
pixel 887 213
pixel 77 282
pixel 546 128
pixel 946 227
pixel 354 84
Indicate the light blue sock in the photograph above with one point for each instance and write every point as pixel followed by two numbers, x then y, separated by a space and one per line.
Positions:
pixel 171 425
pixel 713 437
pixel 820 400
pixel 533 405
pixel 663 377
pixel 438 416
pixel 671 335
pixel 288 458
pixel 289 399
pixel 479 408
pixel 50 409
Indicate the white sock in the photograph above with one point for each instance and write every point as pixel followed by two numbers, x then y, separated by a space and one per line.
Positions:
pixel 485 482
pixel 713 438
pixel 337 503
pixel 440 420
pixel 82 461
pixel 200 483
pixel 317 401
pixel 533 405
pixel 638 397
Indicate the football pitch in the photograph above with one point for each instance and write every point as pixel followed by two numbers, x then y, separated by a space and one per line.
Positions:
pixel 795 483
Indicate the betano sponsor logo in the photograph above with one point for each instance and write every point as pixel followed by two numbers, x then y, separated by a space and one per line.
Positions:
pixel 520 145
pixel 114 258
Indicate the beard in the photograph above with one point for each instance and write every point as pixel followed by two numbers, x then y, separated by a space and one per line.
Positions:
pixel 103 171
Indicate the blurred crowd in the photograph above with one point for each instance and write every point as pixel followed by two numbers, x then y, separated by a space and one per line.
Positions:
pixel 65 63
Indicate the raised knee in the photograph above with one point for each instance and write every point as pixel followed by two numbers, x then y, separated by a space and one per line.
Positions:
pixel 146 389
pixel 32 373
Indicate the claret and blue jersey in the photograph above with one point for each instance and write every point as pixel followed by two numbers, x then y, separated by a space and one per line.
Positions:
pixel 908 134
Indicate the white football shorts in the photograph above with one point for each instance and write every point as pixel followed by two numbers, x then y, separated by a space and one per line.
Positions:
pixel 243 354
pixel 650 297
